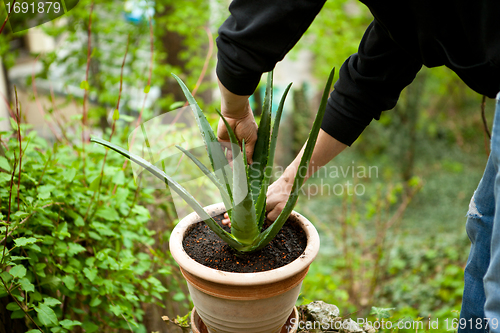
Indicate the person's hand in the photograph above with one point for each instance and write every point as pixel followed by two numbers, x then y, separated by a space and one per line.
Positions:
pixel 244 127
pixel 277 196
pixel 237 112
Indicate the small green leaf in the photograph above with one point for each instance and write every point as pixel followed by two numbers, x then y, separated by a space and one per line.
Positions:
pixel 23 241
pixel 147 89
pixel 62 231
pixel 84 85
pixel 36 297
pixel 95 302
pixel 18 271
pixel 184 321
pixel 94 184
pixel 69 175
pixel 13 258
pixel 79 221
pixel 119 178
pixel 69 282
pixel 13 124
pixel 49 301
pixel 26 285
pixel 35 247
pixel 6 277
pixel 108 213
pixel 18 315
pixel 68 324
pixel 116 310
pixel 381 312
pixel 19 214
pixel 127 118
pixel 43 196
pixel 178 297
pixel 12 306
pixel 90 327
pixel 4 177
pixel 176 105
pixel 74 248
pixel 91 274
pixel 116 114
pixel 46 315
pixel 103 229
pixel 4 164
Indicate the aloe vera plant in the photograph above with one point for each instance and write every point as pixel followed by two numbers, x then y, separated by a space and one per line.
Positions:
pixel 243 189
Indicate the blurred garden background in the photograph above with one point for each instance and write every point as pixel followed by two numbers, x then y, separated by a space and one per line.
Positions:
pixel 84 245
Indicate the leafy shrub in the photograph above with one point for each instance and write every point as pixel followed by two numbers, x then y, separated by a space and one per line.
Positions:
pixel 77 254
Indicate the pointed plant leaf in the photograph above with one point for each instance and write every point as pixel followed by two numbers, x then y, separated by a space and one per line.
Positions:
pixel 46 315
pixel 260 206
pixel 181 191
pixel 243 220
pixel 266 236
pixel 214 149
pixel 261 151
pixel 204 169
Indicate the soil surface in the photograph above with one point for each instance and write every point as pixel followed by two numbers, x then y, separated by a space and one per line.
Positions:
pixel 204 246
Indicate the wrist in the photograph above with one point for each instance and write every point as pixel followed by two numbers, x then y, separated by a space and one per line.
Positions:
pixel 289 174
pixel 232 105
pixel 236 110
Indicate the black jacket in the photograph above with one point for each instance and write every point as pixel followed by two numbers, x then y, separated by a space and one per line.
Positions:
pixel 404 35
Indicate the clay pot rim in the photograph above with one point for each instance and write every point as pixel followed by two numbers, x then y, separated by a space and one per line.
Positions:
pixel 247 279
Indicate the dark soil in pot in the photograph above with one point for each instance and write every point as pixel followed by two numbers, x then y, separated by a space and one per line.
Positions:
pixel 204 246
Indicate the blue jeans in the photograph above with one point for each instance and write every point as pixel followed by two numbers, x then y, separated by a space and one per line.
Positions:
pixel 481 301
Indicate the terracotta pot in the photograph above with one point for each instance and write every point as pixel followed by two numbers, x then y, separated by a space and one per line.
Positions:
pixel 243 302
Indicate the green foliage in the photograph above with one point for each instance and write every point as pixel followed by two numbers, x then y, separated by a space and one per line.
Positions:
pixel 380 313
pixel 78 248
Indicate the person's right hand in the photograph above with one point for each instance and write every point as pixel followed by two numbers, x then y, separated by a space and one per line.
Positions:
pixel 278 194
pixel 237 112
pixel 244 127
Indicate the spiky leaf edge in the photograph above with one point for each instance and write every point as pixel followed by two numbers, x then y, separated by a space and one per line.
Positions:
pixel 222 189
pixel 214 149
pixel 261 151
pixel 260 206
pixel 244 219
pixel 188 198
pixel 266 236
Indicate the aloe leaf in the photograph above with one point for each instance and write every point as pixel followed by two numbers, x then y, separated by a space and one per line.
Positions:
pixel 266 236
pixel 261 152
pixel 188 198
pixel 243 220
pixel 214 149
pixel 261 201
pixel 209 174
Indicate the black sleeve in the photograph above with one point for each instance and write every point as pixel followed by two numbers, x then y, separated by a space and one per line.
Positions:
pixel 370 82
pixel 256 36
